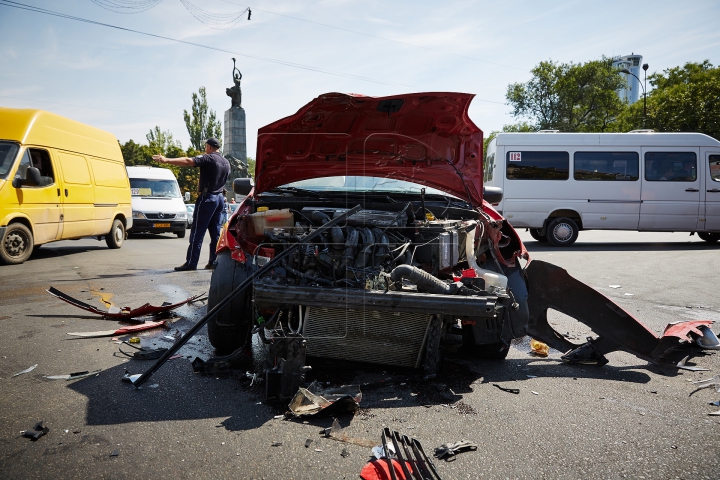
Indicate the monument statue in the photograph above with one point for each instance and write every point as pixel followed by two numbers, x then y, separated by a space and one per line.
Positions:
pixel 235 93
pixel 238 167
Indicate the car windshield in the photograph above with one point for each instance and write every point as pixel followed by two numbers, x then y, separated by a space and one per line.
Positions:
pixel 8 152
pixel 363 184
pixel 144 187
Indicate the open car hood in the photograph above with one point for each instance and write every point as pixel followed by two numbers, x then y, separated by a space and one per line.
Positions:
pixel 425 138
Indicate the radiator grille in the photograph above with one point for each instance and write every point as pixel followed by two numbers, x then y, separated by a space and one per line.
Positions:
pixel 387 338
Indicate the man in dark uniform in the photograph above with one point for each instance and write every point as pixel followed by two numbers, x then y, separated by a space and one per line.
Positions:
pixel 214 170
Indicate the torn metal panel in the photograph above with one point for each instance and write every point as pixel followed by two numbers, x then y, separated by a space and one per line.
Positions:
pixel 550 286
pixel 313 400
pixel 121 331
pixel 125 313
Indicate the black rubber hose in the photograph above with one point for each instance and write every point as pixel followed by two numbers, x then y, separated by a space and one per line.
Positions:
pixel 424 281
pixel 319 217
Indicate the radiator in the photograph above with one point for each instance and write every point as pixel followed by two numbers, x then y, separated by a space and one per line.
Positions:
pixel 386 338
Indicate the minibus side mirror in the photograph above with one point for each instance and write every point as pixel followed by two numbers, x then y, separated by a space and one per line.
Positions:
pixel 242 186
pixel 32 179
pixel 187 196
pixel 492 195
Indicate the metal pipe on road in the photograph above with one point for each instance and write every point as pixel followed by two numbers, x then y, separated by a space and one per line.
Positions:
pixel 239 289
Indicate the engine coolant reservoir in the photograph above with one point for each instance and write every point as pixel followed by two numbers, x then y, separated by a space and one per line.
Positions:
pixel 493 281
pixel 271 219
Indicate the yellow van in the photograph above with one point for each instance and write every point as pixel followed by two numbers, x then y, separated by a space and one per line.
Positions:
pixel 59 180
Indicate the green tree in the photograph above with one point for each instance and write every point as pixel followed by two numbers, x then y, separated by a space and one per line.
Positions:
pixel 683 99
pixel 201 123
pixel 162 142
pixel 251 167
pixel 569 97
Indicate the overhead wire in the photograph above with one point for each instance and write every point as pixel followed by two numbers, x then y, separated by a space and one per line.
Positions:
pixel 126 6
pixel 22 6
pixel 219 21
pixel 379 37
pixel 83 106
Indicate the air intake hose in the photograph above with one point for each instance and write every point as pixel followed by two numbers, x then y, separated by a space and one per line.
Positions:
pixel 424 281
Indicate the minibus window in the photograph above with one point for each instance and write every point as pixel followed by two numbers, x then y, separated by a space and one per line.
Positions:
pixel 670 166
pixel 8 152
pixel 606 166
pixel 143 187
pixel 523 165
pixel 715 168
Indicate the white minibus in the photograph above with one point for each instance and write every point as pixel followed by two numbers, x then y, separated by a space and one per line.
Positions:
pixel 157 206
pixel 556 184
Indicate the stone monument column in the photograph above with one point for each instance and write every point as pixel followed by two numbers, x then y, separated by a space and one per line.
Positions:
pixel 235 140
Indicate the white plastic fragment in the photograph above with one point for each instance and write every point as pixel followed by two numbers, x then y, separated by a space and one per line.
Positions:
pixel 709 382
pixel 615 286
pixel 25 371
pixel 681 364
pixel 715 414
pixel 629 294
pixel 534 392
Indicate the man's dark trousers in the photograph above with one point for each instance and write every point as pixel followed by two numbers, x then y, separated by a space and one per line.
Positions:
pixel 206 216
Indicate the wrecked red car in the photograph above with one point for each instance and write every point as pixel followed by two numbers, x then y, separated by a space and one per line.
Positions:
pixel 424 262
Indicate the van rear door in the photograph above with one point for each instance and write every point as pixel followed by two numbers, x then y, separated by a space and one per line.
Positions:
pixel 670 197
pixel 712 191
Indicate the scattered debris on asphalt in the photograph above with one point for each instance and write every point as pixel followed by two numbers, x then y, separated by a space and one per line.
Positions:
pixel 240 357
pixel 120 331
pixel 313 400
pixel 143 353
pixel 681 364
pixel 336 433
pixel 715 403
pixel 534 392
pixel 539 348
pixel 27 370
pixel 708 339
pixel 615 286
pixel 125 313
pixel 114 453
pixel 709 382
pixel 344 453
pixel 509 390
pixel 447 451
pixel 134 340
pixel 130 378
pixel 72 376
pixel 37 431
pixel 276 444
pixel 308 442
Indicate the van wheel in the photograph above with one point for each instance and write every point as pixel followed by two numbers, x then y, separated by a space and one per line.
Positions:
pixel 535 233
pixel 17 244
pixel 230 328
pixel 709 237
pixel 180 234
pixel 562 232
pixel 116 237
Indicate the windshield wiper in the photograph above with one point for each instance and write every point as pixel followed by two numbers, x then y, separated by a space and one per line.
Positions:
pixel 295 190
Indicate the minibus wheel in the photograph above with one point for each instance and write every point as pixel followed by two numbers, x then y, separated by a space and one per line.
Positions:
pixel 709 237
pixel 116 237
pixel 17 244
pixel 562 232
pixel 535 233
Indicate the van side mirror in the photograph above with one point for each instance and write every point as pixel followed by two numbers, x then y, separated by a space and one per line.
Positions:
pixel 187 196
pixel 32 178
pixel 492 195
pixel 242 186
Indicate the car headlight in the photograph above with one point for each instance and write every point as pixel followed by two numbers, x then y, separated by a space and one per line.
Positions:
pixel 138 214
pixel 181 216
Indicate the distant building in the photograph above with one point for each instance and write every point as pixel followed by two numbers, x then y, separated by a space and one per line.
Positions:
pixel 632 62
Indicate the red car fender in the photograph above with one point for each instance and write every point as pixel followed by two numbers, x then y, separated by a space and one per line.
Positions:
pixel 496 234
pixel 227 240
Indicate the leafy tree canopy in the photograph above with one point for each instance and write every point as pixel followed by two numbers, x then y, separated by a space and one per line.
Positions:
pixel 569 97
pixel 201 122
pixel 684 99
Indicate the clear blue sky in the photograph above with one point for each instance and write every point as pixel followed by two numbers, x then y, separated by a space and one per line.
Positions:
pixel 128 83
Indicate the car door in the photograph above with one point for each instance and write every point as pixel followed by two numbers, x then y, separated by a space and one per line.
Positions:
pixel 40 203
pixel 670 196
pixel 712 192
pixel 78 196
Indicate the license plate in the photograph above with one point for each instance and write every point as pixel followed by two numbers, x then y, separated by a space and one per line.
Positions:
pixel 161 225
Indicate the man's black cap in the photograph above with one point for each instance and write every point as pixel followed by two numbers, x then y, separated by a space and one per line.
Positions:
pixel 213 142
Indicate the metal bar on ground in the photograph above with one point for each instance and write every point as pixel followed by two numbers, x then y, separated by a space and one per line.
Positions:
pixel 240 288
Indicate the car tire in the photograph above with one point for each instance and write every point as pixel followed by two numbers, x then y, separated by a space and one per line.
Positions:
pixel 17 244
pixel 535 233
pixel 231 327
pixel 180 234
pixel 562 232
pixel 709 236
pixel 116 237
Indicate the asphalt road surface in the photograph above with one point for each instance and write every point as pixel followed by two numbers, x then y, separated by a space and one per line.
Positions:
pixel 627 419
